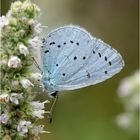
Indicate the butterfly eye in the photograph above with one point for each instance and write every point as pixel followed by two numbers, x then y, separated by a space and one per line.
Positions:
pixel 93 52
pixel 64 43
pixel 57 65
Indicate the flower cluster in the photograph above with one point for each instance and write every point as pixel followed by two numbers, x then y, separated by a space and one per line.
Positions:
pixel 129 95
pixel 19 35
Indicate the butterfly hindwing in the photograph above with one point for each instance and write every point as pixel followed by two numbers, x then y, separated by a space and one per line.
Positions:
pixel 103 63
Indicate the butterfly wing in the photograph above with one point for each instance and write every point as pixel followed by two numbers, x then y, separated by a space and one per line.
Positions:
pixel 61 43
pixel 74 59
pixel 103 63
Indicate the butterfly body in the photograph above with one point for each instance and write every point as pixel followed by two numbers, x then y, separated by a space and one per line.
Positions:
pixel 73 59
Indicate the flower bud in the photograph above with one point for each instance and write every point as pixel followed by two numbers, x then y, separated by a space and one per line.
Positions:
pixel 26 83
pixel 36 77
pixel 14 62
pixel 3 21
pixel 23 49
pixel 4 118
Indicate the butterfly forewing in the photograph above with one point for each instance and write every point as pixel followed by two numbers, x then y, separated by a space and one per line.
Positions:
pixel 63 51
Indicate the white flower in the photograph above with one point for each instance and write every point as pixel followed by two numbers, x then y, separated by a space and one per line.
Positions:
pixel 38 129
pixel 22 33
pixel 23 127
pixel 38 108
pixel 133 103
pixel 4 118
pixel 38 113
pixel 17 4
pixel 4 98
pixel 37 8
pixel 3 62
pixel 125 88
pixel 15 83
pixel 36 77
pixel 15 7
pixel 3 21
pixel 129 85
pixel 35 42
pixel 38 28
pixel 124 120
pixel 26 83
pixel 26 5
pixel 37 105
pixel 31 22
pixel 14 62
pixel 9 13
pixel 23 49
pixel 15 97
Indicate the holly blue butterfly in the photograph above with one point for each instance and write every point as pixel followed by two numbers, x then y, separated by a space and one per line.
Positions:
pixel 74 59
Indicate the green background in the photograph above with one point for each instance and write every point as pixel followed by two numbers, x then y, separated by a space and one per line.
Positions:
pixel 89 113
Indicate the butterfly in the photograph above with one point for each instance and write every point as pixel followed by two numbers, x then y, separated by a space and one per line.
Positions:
pixel 73 59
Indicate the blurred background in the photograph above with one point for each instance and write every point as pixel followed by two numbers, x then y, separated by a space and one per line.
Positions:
pixel 93 113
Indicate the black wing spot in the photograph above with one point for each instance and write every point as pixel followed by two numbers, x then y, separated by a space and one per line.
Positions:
pixel 64 43
pixel 110 63
pixel 63 74
pixel 93 52
pixel 57 65
pixel 84 58
pixel 77 43
pixel 99 55
pixel 59 46
pixel 52 43
pixel 46 51
pixel 75 58
pixel 105 58
pixel 71 42
pixel 106 72
pixel 88 74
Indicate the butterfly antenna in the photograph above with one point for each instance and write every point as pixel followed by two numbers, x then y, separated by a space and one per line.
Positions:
pixel 36 64
pixel 50 114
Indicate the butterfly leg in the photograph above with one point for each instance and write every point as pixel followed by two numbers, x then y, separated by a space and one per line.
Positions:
pixel 55 98
pixel 36 64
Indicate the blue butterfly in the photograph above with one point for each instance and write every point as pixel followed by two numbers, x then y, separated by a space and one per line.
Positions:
pixel 74 59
